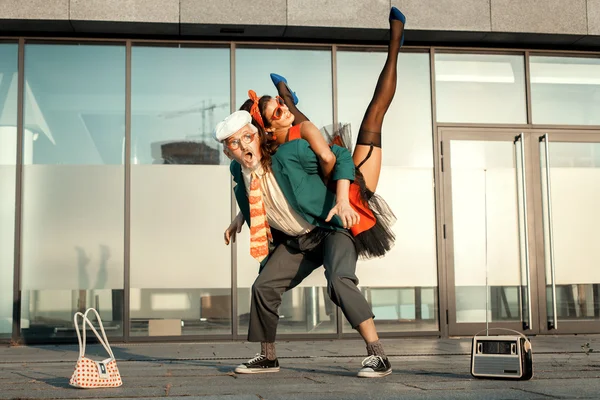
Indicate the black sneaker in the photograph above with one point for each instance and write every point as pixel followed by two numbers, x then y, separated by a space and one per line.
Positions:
pixel 258 365
pixel 375 367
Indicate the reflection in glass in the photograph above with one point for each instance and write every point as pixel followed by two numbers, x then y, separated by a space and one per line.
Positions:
pixel 73 187
pixel 8 160
pixel 403 291
pixel 480 88
pixel 565 90
pixel 180 192
pixel 574 190
pixel 485 220
pixel 308 73
pixel 306 308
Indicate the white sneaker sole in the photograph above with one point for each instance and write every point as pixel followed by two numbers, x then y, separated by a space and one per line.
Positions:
pixel 374 374
pixel 239 370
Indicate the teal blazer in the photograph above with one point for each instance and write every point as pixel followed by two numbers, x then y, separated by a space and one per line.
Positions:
pixel 297 171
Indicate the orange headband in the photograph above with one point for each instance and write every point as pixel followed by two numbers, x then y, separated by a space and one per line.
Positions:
pixel 254 111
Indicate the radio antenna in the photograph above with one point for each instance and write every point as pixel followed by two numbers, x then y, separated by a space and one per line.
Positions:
pixel 486 251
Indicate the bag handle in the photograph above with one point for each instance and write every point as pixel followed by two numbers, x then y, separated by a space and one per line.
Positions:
pixel 528 341
pixel 85 320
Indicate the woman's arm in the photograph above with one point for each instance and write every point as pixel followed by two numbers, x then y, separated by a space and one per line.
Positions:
pixel 310 133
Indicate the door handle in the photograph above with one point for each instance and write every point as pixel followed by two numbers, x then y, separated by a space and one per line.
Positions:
pixel 520 138
pixel 545 139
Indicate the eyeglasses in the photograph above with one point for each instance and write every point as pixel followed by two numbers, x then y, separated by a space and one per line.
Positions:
pixel 278 112
pixel 247 138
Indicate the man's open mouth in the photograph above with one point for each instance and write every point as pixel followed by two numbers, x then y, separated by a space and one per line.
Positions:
pixel 248 157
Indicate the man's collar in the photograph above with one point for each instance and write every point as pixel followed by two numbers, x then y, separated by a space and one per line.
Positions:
pixel 247 172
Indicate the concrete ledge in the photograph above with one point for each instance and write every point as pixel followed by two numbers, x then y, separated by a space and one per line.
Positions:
pixel 540 16
pixel 295 34
pixel 234 12
pixel 34 9
pixel 165 11
pixel 446 15
pixel 593 17
pixel 371 14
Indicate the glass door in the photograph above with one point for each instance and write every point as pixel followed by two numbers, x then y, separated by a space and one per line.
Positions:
pixel 569 170
pixel 486 230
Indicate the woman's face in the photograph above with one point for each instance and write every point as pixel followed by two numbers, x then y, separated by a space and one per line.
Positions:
pixel 278 115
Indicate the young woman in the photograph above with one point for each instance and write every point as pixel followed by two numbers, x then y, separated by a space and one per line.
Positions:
pixel 281 118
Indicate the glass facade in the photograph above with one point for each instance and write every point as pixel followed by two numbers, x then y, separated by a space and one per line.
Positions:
pixel 565 90
pixel 180 269
pixel 73 187
pixel 8 173
pixel 401 300
pixel 129 201
pixel 573 170
pixel 480 88
pixel 485 218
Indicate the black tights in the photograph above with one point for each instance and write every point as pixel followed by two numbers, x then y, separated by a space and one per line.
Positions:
pixel 369 133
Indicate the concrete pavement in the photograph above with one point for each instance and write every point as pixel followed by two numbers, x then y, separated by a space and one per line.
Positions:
pixel 423 369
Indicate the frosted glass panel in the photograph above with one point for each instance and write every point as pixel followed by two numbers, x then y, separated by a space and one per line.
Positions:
pixel 575 188
pixel 480 88
pixel 73 187
pixel 8 159
pixel 485 219
pixel 180 268
pixel 402 298
pixel 565 90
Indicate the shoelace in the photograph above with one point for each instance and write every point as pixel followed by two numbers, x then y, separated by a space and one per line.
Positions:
pixel 256 358
pixel 372 361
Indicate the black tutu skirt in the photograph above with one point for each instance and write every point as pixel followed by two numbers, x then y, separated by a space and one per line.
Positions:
pixel 378 240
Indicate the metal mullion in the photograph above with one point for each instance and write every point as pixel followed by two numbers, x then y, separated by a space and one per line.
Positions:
pixel 465 125
pixel 127 200
pixel 528 89
pixel 338 312
pixel 16 331
pixel 479 51
pixel 233 202
pixel 565 53
pixel 438 194
pixel 449 313
pixel 515 51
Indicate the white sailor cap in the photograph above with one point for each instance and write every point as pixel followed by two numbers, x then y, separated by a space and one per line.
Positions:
pixel 232 124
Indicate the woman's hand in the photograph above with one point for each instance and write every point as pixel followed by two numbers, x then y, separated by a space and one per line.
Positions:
pixel 234 228
pixel 346 213
pixel 342 207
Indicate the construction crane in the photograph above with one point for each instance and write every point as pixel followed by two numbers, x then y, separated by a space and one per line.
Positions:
pixel 207 123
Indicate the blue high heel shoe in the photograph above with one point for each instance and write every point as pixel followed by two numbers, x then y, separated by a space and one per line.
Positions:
pixel 396 14
pixel 278 78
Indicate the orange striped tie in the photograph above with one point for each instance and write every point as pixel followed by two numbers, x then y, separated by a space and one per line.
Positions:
pixel 260 233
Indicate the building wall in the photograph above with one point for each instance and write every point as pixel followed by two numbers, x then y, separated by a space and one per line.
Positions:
pixel 311 19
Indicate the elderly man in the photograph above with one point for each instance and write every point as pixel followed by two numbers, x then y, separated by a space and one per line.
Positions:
pixel 296 225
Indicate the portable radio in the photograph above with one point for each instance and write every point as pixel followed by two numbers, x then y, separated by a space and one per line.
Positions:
pixel 504 357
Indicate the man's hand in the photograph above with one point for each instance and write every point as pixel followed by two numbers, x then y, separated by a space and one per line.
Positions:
pixel 234 228
pixel 346 213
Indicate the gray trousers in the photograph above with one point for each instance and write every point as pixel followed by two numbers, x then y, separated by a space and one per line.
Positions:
pixel 292 261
